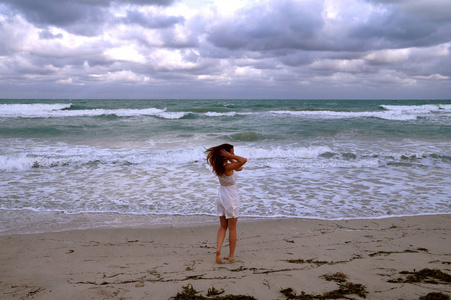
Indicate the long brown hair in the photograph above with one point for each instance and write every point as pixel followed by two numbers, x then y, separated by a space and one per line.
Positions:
pixel 216 159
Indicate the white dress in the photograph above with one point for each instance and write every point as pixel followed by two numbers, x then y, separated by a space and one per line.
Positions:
pixel 228 201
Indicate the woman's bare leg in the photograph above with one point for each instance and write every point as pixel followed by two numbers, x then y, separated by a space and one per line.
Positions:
pixel 220 238
pixel 232 237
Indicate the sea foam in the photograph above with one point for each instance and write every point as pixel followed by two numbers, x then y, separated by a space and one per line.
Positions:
pixel 31 110
pixel 308 159
pixel 389 112
pixel 63 110
pixel 427 108
pixel 389 115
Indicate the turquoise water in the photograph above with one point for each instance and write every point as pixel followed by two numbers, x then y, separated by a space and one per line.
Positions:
pixel 327 159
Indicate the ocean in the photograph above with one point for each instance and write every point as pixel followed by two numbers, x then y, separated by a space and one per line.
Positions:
pixel 71 164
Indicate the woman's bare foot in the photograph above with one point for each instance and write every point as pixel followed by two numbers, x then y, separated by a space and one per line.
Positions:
pixel 230 259
pixel 218 257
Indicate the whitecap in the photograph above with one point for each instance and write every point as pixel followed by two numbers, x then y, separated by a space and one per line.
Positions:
pixel 219 114
pixel 62 110
pixel 171 115
pixel 343 114
pixel 426 108
pixel 31 110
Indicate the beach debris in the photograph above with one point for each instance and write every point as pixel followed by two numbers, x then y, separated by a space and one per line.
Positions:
pixel 337 277
pixel 191 266
pixel 418 250
pixel 154 272
pixel 344 288
pixel 307 261
pixel 34 292
pixel 189 293
pixel 194 277
pixel 256 270
pixel 21 289
pixel 241 268
pixel 141 282
pixel 206 246
pixel 92 244
pixel 433 276
pixel 214 292
pixel 435 296
pixel 320 262
pixel 290 294
pixel 111 276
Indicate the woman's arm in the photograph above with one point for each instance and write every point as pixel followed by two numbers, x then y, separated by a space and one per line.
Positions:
pixel 236 161
pixel 232 161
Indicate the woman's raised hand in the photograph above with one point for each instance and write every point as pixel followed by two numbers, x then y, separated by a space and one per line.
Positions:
pixel 225 153
pixel 236 162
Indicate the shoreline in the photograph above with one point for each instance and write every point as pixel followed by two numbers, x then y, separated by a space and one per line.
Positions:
pixel 36 222
pixel 274 254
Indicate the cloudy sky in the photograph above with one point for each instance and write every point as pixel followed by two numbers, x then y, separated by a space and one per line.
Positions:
pixel 225 49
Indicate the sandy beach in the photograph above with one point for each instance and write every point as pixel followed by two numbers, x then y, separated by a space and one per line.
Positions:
pixel 380 258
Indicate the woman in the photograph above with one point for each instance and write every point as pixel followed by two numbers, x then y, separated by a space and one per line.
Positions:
pixel 224 162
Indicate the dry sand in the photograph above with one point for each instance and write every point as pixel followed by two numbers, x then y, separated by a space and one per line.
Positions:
pixel 155 263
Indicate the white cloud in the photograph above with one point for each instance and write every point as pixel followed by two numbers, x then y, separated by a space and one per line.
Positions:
pixel 164 59
pixel 432 77
pixel 394 78
pixel 442 50
pixel 227 9
pixel 70 81
pixel 339 65
pixel 247 72
pixel 125 53
pixel 389 56
pixel 65 81
pixel 124 76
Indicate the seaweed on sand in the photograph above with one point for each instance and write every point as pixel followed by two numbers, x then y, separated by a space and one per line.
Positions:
pixel 214 292
pixel 435 296
pixel 396 252
pixel 434 276
pixel 189 293
pixel 290 294
pixel 337 277
pixel 344 288
pixel 307 261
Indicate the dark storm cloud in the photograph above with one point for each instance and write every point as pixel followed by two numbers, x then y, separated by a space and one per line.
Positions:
pixel 401 29
pixel 300 26
pixel 152 20
pixel 4 38
pixel 65 13
pixel 286 25
pixel 48 35
pixel 164 23
pixel 309 48
pixel 297 58
pixel 438 10
pixel 81 17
